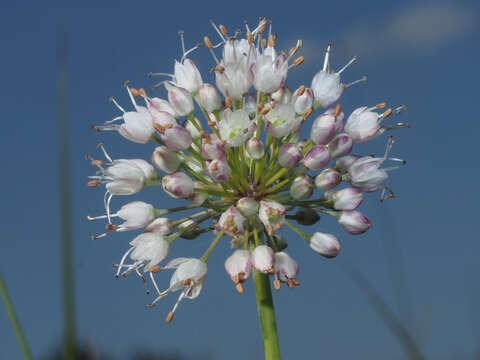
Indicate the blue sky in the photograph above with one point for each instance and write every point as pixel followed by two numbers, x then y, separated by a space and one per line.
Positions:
pixel 423 54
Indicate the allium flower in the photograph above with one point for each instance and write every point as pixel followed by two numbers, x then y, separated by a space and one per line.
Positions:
pixel 236 158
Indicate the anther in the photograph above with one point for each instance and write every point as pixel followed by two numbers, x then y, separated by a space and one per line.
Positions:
pixel 169 317
pixel 223 30
pixel 265 110
pixel 300 91
pixel 381 105
pixel 220 69
pixel 276 284
pixel 271 40
pixel 298 61
pixel 296 282
pixel 93 183
pixel 338 110
pixel 387 113
pixel 134 92
pixel 250 37
pixel 271 271
pixel 211 123
pixel 125 84
pixel 228 102
pixel 187 282
pixel 307 113
pixel 239 288
pixel 111 227
pixel 154 268
pixel 207 42
pixel 142 92
pixel 290 283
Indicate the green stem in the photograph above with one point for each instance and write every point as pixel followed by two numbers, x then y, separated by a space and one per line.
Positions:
pixel 266 315
pixel 212 246
pixel 13 318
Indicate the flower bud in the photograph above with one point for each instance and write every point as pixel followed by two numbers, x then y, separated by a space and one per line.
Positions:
pixel 301 188
pixel 238 266
pixel 161 226
pixel 187 75
pixel 289 155
pixel 263 259
pixel 232 221
pixel 209 98
pixel 340 145
pixel 272 215
pixel 328 179
pixel 190 127
pixel 342 164
pixel 280 242
pixel 347 199
pixel 178 185
pixel 189 230
pixel 198 197
pixel 317 157
pixel 306 216
pixel 176 138
pixel 156 105
pixel 219 170
pixel 213 148
pixel 326 245
pixel 323 129
pixel 339 119
pixel 165 160
pixel 354 222
pixel 136 214
pixel 326 88
pixel 180 99
pixel 255 148
pixel 303 102
pixel 248 206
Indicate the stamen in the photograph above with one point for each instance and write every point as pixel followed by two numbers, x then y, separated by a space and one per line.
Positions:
pixel 182 41
pixel 276 284
pixel 327 56
pixel 217 30
pixel 223 29
pixel 348 64
pixel 150 74
pixel 209 46
pixel 364 80
pixel 154 283
pixel 190 51
pixel 132 98
pixel 389 195
pixel 399 109
pixel 122 261
pixel 100 145
pixel 96 237
pixel 112 99
pixel 338 110
pixel 113 120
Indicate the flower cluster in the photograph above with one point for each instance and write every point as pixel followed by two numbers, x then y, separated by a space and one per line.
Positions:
pixel 245 167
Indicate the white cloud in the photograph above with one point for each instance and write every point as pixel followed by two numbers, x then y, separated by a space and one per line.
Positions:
pixel 418 28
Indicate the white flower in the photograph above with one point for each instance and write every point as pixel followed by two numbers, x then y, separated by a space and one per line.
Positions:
pixel 232 221
pixel 188 277
pixel 286 270
pixel 147 251
pixel 187 75
pixel 281 120
pixel 263 259
pixel 235 127
pixel 270 71
pixel 238 266
pixel 272 215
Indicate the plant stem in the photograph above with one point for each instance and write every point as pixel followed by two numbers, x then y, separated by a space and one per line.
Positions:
pixel 266 312
pixel 13 318
pixel 266 315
